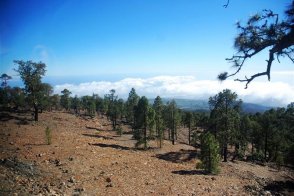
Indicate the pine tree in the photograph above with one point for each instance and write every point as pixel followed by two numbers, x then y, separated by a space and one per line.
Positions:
pixel 76 104
pixel 158 108
pixel 130 106
pixel 265 32
pixel 174 120
pixel 112 111
pixel 189 122
pixel 141 119
pixel 226 120
pixel 4 77
pixel 65 99
pixel 151 122
pixel 89 105
pixel 209 153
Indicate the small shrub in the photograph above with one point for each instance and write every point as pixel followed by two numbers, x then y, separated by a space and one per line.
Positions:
pixel 137 134
pixel 119 130
pixel 256 157
pixel 194 138
pixel 241 153
pixel 139 143
pixel 279 160
pixel 199 165
pixel 48 136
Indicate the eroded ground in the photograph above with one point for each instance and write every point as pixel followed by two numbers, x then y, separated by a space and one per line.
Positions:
pixel 86 158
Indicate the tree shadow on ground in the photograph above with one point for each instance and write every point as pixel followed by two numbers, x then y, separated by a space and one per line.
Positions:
pixel 4 117
pixel 178 157
pixel 128 132
pixel 97 136
pixel 190 172
pixel 115 146
pixel 29 144
pixel 25 168
pixel 277 187
pixel 86 117
pixel 94 128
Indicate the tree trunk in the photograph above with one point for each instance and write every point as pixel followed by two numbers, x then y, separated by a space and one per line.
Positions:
pixel 237 147
pixel 133 124
pixel 252 148
pixel 173 136
pixel 36 112
pixel 214 130
pixel 225 153
pixel 265 145
pixel 209 160
pixel 189 137
pixel 145 137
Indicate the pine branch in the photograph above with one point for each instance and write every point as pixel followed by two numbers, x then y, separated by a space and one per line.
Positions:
pixel 227 4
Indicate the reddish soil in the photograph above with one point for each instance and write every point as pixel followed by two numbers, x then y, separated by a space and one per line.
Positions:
pixel 87 158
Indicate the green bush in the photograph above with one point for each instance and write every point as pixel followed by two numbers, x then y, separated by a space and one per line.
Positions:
pixel 48 136
pixel 194 139
pixel 289 158
pixel 210 157
pixel 137 134
pixel 119 130
pixel 279 160
pixel 256 156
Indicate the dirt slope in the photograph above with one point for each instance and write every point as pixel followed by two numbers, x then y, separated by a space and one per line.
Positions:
pixel 86 158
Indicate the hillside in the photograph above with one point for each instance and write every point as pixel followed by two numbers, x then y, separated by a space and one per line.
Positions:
pixel 202 105
pixel 87 158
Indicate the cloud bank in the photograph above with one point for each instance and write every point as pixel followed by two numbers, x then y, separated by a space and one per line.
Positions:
pixel 188 87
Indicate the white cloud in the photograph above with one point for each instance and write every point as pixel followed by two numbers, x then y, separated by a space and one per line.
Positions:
pixel 267 93
pixel 284 73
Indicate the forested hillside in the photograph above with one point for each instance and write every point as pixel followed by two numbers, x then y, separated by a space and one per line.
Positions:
pixel 263 137
pixel 88 139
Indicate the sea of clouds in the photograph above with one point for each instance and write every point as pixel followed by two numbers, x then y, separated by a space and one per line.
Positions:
pixel 188 87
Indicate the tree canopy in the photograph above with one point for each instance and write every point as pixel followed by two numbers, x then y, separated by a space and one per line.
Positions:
pixel 263 32
pixel 225 116
pixel 4 77
pixel 31 74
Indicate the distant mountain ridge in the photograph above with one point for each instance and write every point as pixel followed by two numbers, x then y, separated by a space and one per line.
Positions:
pixel 202 105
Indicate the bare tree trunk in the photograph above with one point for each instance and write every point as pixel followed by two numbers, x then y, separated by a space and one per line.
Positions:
pixel 225 153
pixel 237 147
pixel 36 112
pixel 145 137
pixel 265 145
pixel 189 137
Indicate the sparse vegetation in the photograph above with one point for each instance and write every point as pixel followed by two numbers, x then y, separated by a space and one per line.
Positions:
pixel 119 130
pixel 260 138
pixel 48 136
pixel 269 135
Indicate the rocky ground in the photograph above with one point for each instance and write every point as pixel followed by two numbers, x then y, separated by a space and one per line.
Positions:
pixel 87 158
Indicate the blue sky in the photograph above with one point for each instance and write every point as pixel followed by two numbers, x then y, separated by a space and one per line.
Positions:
pixel 86 41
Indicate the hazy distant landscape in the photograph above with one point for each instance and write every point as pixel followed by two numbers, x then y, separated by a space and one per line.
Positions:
pixel 203 106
